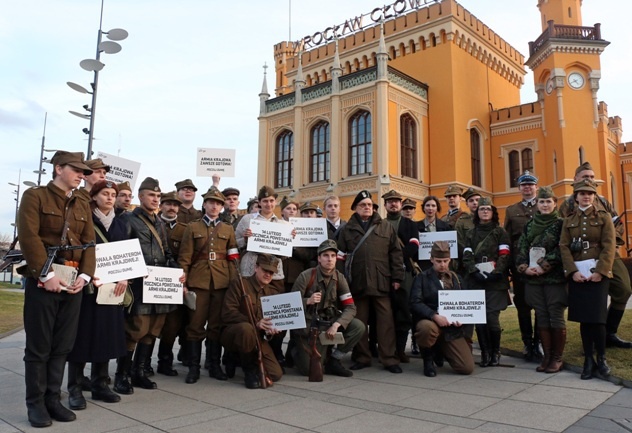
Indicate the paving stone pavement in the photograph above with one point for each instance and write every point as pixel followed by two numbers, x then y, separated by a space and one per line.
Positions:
pixel 499 399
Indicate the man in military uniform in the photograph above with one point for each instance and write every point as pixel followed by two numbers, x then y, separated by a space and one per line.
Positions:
pixel 124 197
pixel 175 320
pixel 409 208
pixel 619 289
pixel 145 322
pixel 207 256
pixel 374 261
pixel 325 293
pixel 453 197
pixel 434 333
pixel 516 217
pixel 53 216
pixel 408 236
pixel 465 222
pixel 186 193
pixel 230 215
pixel 240 334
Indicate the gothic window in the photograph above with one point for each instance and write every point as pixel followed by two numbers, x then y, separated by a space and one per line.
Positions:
pixel 475 148
pixel 360 145
pixel 408 140
pixel 284 159
pixel 519 162
pixel 319 153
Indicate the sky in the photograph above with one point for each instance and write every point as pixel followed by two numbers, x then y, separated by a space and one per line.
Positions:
pixel 190 73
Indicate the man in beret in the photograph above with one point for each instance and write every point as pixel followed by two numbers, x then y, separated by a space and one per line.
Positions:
pixel 186 193
pixel 453 197
pixel 516 217
pixel 230 215
pixel 208 256
pixel 619 289
pixel 374 264
pixel 435 334
pixel 332 213
pixel 144 323
pixel 325 293
pixel 50 216
pixel 124 197
pixel 240 334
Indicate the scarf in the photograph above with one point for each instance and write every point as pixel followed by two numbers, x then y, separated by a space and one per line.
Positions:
pixel 540 223
pixel 169 220
pixel 106 220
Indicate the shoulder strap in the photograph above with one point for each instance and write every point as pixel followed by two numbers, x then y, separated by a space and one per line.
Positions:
pixel 312 278
pixel 366 235
pixel 152 229
pixel 100 233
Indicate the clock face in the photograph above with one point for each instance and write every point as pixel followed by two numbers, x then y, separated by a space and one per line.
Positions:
pixel 549 86
pixel 576 80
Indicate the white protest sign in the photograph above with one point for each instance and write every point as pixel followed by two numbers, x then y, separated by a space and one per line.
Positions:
pixel 464 306
pixel 117 261
pixel 270 238
pixel 162 286
pixel 285 310
pixel 121 169
pixel 310 232
pixel 427 239
pixel 215 161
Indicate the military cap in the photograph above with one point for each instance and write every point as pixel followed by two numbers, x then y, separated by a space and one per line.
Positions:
pixel 361 196
pixel 251 202
pixel 73 159
pixel 149 183
pixel 186 183
pixel 266 191
pixel 485 201
pixel 124 186
pixel 453 190
pixel 319 212
pixel 527 178
pixel 545 192
pixel 214 194
pixel 230 191
pixel 409 202
pixel 102 184
pixel 440 250
pixel 392 195
pixel 308 206
pixel 585 185
pixel 326 245
pixel 470 192
pixel 268 262
pixel 170 196
pixel 585 166
pixel 96 164
pixel 286 202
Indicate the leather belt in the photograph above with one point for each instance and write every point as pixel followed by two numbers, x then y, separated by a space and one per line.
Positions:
pixel 216 256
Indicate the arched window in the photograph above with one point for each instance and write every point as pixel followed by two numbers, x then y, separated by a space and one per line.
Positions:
pixel 360 146
pixel 475 148
pixel 527 160
pixel 408 143
pixel 284 159
pixel 319 153
pixel 514 168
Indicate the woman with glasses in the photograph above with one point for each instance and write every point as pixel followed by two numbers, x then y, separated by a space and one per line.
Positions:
pixel 486 260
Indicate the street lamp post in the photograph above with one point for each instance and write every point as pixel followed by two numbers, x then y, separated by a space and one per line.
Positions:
pixel 95 65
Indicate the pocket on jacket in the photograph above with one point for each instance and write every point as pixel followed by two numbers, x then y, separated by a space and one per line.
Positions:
pixel 51 218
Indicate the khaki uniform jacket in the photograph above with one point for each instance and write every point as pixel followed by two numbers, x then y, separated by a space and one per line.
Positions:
pixel 202 272
pixel 232 219
pixel 175 232
pixel 234 309
pixel 451 220
pixel 187 215
pixel 336 298
pixel 464 224
pixel 379 261
pixel 41 220
pixel 516 217
pixel 569 206
pixel 595 229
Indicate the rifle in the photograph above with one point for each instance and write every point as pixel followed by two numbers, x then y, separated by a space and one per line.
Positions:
pixel 52 254
pixel 315 365
pixel 12 257
pixel 263 376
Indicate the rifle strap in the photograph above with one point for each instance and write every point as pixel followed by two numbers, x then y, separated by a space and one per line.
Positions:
pixel 153 231
pixel 64 233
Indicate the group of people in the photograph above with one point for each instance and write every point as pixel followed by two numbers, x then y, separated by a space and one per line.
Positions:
pixel 365 282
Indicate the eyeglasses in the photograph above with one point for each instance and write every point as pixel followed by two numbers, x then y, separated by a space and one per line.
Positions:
pixel 187 188
pixel 484 209
pixel 364 205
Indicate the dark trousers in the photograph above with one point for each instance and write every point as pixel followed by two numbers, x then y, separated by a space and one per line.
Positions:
pixel 457 351
pixel 241 337
pixel 385 330
pixel 549 302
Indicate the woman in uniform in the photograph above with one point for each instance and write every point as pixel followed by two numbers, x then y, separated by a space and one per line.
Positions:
pixel 588 247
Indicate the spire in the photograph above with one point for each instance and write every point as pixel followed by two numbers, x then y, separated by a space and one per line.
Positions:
pixel 300 81
pixel 336 71
pixel 337 57
pixel 382 48
pixel 264 95
pixel 382 56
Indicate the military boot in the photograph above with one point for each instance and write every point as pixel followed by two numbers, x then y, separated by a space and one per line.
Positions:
pixel 335 367
pixel 429 368
pixel 122 384
pixel 494 339
pixel 251 376
pixel 482 335
pixel 194 350
pixel 76 400
pixel 139 374
pixel 99 380
pixel 546 338
pixel 612 326
pixel 35 378
pixel 215 369
pixel 558 343
pixel 52 397
pixel 165 359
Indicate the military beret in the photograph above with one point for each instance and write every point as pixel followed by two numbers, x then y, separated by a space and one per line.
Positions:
pixel 214 194
pixel 409 202
pixel 230 191
pixel 149 183
pixel 73 159
pixel 124 186
pixel 102 184
pixel 453 190
pixel 527 178
pixel 361 196
pixel 327 245
pixel 440 250
pixel 96 164
pixel 585 185
pixel 545 192
pixel 308 206
pixel 268 262
pixel 392 195
pixel 470 192
pixel 585 166
pixel 485 201
pixel 266 191
pixel 186 183
pixel 170 196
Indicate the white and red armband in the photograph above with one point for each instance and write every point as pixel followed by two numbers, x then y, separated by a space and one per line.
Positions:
pixel 346 299
pixel 232 254
pixel 341 256
pixel 503 249
pixel 414 241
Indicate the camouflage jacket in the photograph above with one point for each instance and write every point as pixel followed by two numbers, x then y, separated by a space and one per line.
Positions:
pixel 551 263
pixel 491 244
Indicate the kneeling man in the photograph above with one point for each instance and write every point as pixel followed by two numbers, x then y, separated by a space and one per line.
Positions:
pixel 436 336
pixel 326 293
